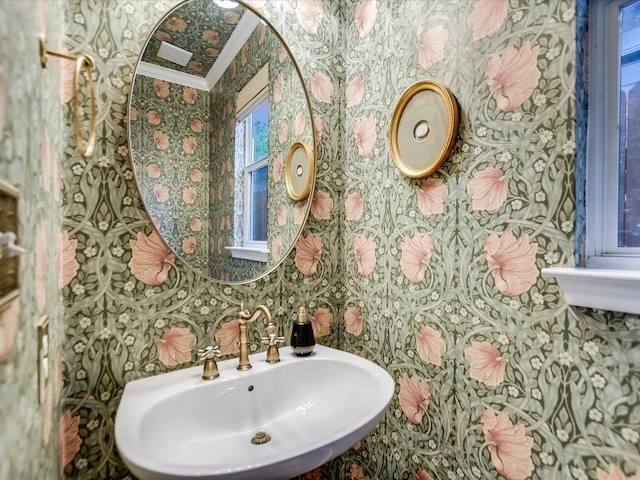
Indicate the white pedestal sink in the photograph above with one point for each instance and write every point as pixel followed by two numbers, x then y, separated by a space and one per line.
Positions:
pixel 178 426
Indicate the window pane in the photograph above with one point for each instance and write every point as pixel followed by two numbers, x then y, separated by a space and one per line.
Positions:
pixel 259 205
pixel 629 161
pixel 260 129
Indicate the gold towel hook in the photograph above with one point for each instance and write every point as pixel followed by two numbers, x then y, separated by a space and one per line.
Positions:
pixel 85 147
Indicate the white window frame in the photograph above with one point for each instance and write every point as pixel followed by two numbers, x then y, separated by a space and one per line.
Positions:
pixel 249 168
pixel 611 279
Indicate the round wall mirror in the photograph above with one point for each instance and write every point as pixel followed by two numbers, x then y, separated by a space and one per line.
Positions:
pixel 216 104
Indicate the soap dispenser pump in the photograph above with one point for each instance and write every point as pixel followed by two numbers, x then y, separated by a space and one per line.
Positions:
pixel 302 339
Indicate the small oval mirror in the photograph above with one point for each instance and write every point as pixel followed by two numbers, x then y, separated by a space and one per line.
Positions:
pixel 216 104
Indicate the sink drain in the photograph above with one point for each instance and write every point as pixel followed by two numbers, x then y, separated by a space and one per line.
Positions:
pixel 260 438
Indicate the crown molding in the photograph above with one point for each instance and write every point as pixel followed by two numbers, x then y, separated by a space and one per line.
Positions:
pixel 173 76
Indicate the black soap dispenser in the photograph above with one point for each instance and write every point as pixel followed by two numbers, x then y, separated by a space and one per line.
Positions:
pixel 302 339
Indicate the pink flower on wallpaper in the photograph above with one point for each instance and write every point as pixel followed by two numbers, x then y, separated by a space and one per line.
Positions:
pixel 431 49
pixel 196 175
pixel 244 54
pixel 190 95
pixel 416 255
pixel 308 253
pixel 321 88
pixel 422 475
pixel 153 117
pixel 151 259
pixel 298 213
pixel 354 92
pixel 321 205
pixel 508 445
pixel 354 205
pixel 488 189
pixel 232 70
pixel 211 36
pixel 161 88
pixel 231 17
pixel 615 474
pixel 175 347
pixel 176 24
pixel 318 127
pixel 161 139
pixel 321 322
pixel 278 87
pixel 277 248
pixel 231 186
pixel 364 252
pixel 283 132
pixel 513 76
pixel 42 262
pixel 430 345
pixel 47 413
pixel 228 336
pixel 431 196
pixel 364 133
pixel 196 125
pixel 66 75
pixel 310 13
pixel 512 262
pixel 69 441
pixel 487 17
pixel 8 328
pixel 195 225
pixel 133 114
pixel 189 245
pixel 414 397
pixel 195 66
pixel 189 145
pixel 357 473
pixel 353 321
pixel 162 36
pixel 262 30
pixel 160 192
pixel 189 195
pixel 282 215
pixel 212 53
pixel 299 123
pixel 486 363
pixel 67 262
pixel 365 16
pixel 278 165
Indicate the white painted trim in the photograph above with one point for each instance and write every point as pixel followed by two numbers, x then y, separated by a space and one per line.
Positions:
pixel 255 254
pixel 604 289
pixel 173 76
pixel 240 35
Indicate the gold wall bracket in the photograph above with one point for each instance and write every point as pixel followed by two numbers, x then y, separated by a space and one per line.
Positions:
pixel 85 147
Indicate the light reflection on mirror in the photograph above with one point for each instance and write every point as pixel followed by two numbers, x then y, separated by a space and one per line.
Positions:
pixel 208 139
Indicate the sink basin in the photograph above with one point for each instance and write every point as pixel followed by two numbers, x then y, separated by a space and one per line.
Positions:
pixel 176 425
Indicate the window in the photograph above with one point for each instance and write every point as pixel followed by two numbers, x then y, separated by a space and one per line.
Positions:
pixel 255 175
pixel 612 279
pixel 613 171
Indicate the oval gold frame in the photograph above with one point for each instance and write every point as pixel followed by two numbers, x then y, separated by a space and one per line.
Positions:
pixel 296 196
pixel 451 131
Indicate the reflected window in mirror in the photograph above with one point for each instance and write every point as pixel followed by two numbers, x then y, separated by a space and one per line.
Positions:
pixel 255 174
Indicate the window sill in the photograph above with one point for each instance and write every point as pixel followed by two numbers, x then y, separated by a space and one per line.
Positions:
pixel 255 254
pixel 600 288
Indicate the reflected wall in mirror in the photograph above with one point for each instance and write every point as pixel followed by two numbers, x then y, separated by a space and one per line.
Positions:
pixel 216 103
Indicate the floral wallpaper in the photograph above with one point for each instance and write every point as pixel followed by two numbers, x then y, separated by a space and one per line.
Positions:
pixel 31 145
pixel 200 27
pixel 437 280
pixel 170 145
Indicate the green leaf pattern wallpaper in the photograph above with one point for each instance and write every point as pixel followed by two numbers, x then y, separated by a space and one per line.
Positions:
pixel 437 279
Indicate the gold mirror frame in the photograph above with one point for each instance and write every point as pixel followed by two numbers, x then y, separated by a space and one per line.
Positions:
pixel 312 149
pixel 450 133
pixel 294 191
